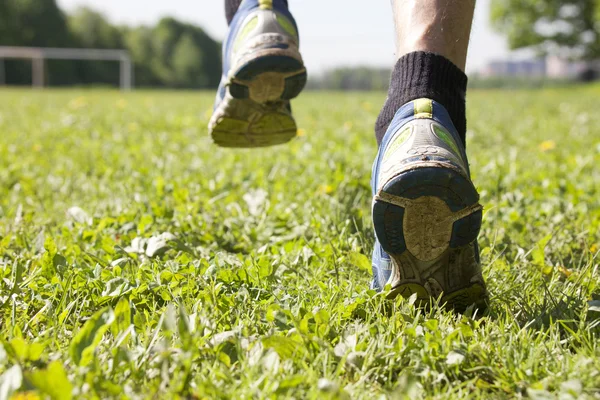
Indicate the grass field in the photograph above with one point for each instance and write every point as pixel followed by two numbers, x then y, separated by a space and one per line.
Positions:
pixel 139 261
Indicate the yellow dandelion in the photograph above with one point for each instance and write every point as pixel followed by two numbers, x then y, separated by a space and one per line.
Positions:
pixel 594 248
pixel 547 270
pixel 301 132
pixel 547 145
pixel 78 103
pixel 566 272
pixel 133 127
pixel 325 189
pixel 26 396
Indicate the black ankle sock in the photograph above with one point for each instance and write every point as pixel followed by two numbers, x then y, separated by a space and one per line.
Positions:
pixel 425 75
pixel 231 6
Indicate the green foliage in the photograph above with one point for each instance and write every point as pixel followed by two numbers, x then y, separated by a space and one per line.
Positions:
pixel 353 78
pixel 93 31
pixel 7 30
pixel 34 23
pixel 185 62
pixel 567 28
pixel 139 41
pixel 170 54
pixel 505 82
pixel 183 55
pixel 52 381
pixel 137 260
pixel 87 339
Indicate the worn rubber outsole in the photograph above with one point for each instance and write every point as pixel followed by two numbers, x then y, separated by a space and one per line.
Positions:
pixel 428 219
pixel 256 110
pixel 245 123
pixel 267 78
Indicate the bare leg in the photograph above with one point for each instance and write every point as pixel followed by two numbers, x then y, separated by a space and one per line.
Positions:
pixel 432 41
pixel 426 211
pixel 436 26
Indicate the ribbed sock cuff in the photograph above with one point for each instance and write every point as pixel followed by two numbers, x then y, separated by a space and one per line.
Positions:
pixel 231 7
pixel 425 75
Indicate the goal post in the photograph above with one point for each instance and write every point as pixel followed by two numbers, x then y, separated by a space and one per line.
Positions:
pixel 39 55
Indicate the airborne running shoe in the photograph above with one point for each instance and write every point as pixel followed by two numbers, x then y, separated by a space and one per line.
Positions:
pixel 262 71
pixel 426 211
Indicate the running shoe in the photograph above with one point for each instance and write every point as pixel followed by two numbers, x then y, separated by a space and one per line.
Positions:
pixel 262 71
pixel 426 211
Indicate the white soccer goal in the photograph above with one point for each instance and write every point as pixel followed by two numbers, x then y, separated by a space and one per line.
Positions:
pixel 39 55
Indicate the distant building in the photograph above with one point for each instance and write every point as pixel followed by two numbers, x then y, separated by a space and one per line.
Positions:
pixel 563 69
pixel 550 67
pixel 527 68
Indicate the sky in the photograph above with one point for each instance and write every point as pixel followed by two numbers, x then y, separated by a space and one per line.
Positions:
pixel 331 36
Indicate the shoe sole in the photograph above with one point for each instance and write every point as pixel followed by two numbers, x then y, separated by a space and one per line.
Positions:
pixel 255 111
pixel 427 219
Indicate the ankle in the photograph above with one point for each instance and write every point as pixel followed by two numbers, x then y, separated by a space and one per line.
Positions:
pixel 425 75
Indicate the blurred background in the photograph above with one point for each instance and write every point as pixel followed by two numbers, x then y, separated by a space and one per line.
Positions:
pixel 176 43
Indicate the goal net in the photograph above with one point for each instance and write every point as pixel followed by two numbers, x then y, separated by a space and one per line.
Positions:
pixel 39 55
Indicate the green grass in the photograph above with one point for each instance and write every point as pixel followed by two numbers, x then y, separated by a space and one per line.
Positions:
pixel 139 261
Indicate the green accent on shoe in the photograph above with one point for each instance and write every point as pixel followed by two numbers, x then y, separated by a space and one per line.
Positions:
pixel 287 26
pixel 246 30
pixel 423 108
pixel 265 4
pixel 399 141
pixel 445 136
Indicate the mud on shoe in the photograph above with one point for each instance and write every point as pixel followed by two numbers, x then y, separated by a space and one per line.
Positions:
pixel 426 211
pixel 262 71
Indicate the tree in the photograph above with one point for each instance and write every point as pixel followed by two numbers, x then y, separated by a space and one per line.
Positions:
pixel 171 54
pixel 353 78
pixel 187 62
pixel 139 43
pixel 568 28
pixel 7 28
pixel 93 31
pixel 34 23
pixel 186 49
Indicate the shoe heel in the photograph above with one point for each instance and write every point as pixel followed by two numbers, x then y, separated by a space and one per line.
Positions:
pixel 426 211
pixel 271 70
pixel 424 218
pixel 269 78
